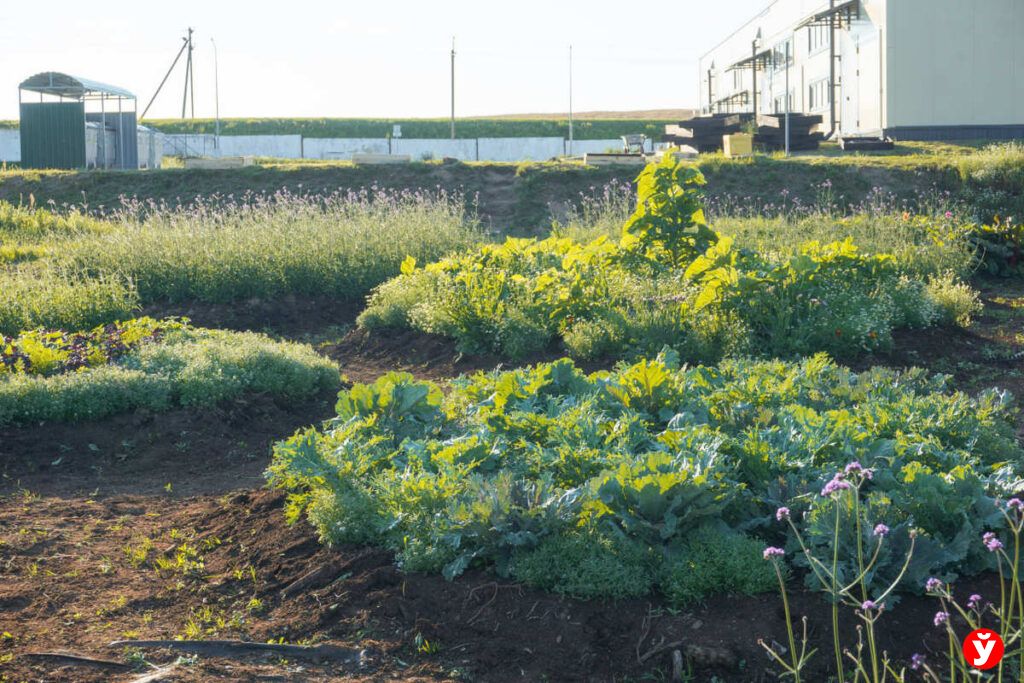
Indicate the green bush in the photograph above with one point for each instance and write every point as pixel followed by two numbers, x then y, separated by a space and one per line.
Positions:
pixel 184 367
pixel 559 478
pixel 1000 246
pixel 81 396
pixel 712 562
pixel 955 302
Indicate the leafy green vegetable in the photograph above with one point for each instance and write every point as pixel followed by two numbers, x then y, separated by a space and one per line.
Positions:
pixel 507 464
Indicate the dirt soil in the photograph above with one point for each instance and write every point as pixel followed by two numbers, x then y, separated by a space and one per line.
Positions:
pixel 155 526
pixel 80 573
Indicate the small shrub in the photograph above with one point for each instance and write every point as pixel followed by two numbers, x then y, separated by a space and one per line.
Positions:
pixel 715 561
pixel 955 302
pixel 346 515
pixel 994 181
pixel 587 565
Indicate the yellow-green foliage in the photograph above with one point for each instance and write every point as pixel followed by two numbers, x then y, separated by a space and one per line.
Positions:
pixel 14 253
pixel 49 352
pixel 670 280
pixel 36 224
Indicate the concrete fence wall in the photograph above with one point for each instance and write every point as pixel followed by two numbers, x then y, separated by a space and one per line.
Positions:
pixel 297 147
pixel 279 146
pixel 342 148
pixel 10 144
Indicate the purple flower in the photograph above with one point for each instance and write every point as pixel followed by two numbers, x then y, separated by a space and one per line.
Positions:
pixel 1015 504
pixel 856 468
pixel 932 585
pixel 771 552
pixel 949 214
pixel 836 484
pixel 881 530
pixel 941 618
pixel 782 514
pixel 916 662
pixel 974 602
pixel 869 605
pixel 991 542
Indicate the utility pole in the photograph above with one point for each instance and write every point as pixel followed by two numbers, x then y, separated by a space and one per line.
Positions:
pixel 191 78
pixel 753 70
pixel 184 44
pixel 190 90
pixel 216 95
pixel 833 118
pixel 453 87
pixel 570 101
pixel 711 99
pixel 789 45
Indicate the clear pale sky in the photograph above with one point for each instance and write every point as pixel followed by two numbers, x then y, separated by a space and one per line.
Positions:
pixel 386 58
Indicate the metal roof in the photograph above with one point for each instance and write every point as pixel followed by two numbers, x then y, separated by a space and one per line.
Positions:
pixel 55 83
pixel 847 8
pixel 760 61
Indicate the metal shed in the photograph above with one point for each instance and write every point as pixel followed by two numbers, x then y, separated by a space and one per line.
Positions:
pixel 76 123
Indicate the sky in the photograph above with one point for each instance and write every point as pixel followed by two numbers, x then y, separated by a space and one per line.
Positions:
pixel 320 58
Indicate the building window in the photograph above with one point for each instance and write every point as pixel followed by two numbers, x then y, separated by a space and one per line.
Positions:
pixel 818 95
pixel 737 79
pixel 817 38
pixel 779 52
pixel 779 103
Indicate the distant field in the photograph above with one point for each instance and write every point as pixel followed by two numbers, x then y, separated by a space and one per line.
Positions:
pixel 595 129
pixel 588 125
pixel 674 115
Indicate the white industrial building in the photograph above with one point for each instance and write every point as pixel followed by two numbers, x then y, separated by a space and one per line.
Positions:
pixel 910 69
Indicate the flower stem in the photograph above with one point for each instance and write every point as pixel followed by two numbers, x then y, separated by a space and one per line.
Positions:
pixel 789 625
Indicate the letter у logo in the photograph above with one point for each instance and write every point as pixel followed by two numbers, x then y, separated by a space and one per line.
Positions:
pixel 983 648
